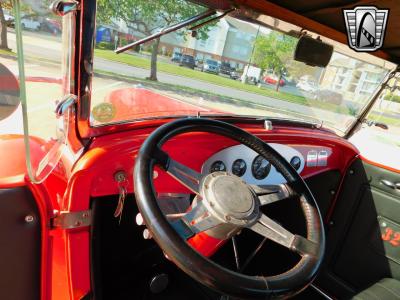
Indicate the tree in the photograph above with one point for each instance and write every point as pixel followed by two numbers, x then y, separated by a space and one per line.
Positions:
pixel 148 16
pixel 3 25
pixel 274 52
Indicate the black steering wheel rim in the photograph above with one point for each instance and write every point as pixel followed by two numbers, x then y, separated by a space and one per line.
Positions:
pixel 193 263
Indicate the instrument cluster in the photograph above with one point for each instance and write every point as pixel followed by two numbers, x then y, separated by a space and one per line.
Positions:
pixel 252 167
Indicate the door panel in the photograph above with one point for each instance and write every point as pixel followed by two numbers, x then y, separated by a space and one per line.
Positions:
pixel 20 240
pixel 364 234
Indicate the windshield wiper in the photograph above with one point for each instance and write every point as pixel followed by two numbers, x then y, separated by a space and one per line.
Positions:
pixel 178 26
pixel 169 29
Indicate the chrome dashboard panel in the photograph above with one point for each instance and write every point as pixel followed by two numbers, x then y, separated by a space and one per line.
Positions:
pixel 231 154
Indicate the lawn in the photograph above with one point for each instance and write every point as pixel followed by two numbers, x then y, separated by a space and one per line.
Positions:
pixel 375 116
pixel 7 53
pixel 140 62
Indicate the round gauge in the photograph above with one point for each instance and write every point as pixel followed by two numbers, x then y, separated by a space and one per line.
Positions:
pixel 296 162
pixel 239 167
pixel 217 166
pixel 260 167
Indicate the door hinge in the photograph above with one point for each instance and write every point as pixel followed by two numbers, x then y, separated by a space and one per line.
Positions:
pixel 72 220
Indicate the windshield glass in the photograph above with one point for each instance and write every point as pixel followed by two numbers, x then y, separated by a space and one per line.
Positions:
pixel 38 49
pixel 267 82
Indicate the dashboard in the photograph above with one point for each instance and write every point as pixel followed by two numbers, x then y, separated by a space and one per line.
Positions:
pixel 310 152
pixel 254 169
pixel 242 161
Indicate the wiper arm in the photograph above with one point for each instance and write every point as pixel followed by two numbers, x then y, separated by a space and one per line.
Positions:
pixel 166 30
pixel 195 27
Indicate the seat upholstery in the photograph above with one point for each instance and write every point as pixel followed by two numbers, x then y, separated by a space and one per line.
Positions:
pixel 386 289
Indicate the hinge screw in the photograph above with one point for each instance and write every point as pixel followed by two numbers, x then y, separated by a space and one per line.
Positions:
pixel 29 219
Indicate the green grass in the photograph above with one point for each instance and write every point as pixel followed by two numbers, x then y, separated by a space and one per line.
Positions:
pixel 194 74
pixel 383 119
pixel 7 53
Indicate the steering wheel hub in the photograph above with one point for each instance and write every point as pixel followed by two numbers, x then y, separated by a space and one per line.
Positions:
pixel 229 198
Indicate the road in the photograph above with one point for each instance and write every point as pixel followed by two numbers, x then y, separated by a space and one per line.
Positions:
pixel 49 47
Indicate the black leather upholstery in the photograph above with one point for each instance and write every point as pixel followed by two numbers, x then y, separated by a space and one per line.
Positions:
pixel 386 289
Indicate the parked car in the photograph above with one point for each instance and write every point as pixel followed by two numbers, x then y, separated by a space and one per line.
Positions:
pixel 329 96
pixel 187 61
pixel 176 57
pixel 199 63
pixel 51 26
pixel 307 86
pixel 251 74
pixel 234 75
pixel 8 18
pixel 225 68
pixel 210 66
pixel 30 23
pixel 273 79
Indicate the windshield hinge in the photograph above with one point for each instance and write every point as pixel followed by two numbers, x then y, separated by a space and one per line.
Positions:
pixel 62 8
pixel 64 104
pixel 72 220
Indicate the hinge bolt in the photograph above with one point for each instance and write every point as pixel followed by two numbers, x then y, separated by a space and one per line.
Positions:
pixel 29 219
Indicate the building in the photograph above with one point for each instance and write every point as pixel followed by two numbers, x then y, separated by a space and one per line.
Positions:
pixel 231 41
pixel 354 79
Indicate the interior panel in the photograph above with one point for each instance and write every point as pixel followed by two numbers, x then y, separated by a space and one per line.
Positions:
pixel 20 240
pixel 362 239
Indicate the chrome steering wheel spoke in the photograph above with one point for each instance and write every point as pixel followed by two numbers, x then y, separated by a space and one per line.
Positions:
pixel 196 220
pixel 183 174
pixel 268 194
pixel 270 229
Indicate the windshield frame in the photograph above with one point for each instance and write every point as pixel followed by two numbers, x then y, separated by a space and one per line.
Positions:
pixel 86 130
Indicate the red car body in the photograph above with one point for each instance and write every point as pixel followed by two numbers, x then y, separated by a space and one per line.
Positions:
pixel 94 155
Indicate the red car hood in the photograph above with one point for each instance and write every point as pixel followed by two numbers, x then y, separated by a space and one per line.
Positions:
pixel 139 103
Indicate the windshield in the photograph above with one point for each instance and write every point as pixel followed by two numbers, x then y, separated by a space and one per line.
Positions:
pixel 268 83
pixel 39 54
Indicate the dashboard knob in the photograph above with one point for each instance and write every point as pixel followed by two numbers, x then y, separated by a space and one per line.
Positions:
pixel 296 162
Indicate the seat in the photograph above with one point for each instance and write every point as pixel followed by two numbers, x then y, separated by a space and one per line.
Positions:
pixel 386 289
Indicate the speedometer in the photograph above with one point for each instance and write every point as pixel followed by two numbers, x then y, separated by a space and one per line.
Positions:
pixel 239 167
pixel 260 167
pixel 217 166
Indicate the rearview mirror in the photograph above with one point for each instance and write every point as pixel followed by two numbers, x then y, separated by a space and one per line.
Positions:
pixel 9 92
pixel 313 52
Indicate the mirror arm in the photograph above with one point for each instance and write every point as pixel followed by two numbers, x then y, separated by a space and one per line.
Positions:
pixel 64 104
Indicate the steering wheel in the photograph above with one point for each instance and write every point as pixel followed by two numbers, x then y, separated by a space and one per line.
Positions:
pixel 225 205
